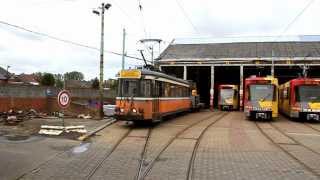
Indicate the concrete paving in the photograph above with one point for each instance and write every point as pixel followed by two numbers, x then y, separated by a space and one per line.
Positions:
pixel 197 145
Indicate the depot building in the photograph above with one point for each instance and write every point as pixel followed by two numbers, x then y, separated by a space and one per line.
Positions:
pixel 212 64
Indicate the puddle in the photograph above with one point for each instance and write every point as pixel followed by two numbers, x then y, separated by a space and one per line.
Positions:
pixel 13 138
pixel 16 137
pixel 81 148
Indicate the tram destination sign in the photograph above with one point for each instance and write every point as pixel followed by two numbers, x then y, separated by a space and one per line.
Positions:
pixel 64 99
pixel 132 73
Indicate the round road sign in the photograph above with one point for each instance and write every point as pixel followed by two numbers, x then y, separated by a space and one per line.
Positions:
pixel 64 99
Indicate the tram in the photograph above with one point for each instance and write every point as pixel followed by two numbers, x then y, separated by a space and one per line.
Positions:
pixel 300 98
pixel 228 98
pixel 146 95
pixel 261 97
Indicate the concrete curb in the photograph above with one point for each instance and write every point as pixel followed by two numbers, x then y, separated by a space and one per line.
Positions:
pixel 89 134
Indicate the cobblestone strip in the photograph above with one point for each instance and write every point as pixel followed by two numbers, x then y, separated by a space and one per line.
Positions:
pixel 123 163
pixel 173 163
pixel 80 161
pixel 169 140
pixel 314 125
pixel 301 132
pixel 295 151
pixel 244 154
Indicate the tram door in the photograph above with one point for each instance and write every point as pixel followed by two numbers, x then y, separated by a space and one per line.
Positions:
pixel 156 101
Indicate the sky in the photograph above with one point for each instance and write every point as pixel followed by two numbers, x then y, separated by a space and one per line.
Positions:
pixel 74 21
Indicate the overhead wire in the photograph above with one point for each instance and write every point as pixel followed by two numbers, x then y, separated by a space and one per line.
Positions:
pixel 187 16
pixel 64 40
pixel 295 18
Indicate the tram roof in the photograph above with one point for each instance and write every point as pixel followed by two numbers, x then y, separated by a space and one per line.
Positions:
pixel 241 50
pixel 160 74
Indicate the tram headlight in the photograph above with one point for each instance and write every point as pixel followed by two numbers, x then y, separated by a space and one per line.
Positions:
pixel 134 110
pixel 141 110
pixel 121 110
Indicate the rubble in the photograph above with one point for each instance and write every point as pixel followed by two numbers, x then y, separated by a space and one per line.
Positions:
pixel 12 117
pixel 83 116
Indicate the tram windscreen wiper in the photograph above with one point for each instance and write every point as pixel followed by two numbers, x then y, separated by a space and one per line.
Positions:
pixel 265 97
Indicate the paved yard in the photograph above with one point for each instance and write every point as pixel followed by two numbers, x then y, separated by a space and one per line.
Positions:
pixel 203 145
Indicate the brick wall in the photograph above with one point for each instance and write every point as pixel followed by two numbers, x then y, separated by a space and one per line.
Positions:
pixel 41 98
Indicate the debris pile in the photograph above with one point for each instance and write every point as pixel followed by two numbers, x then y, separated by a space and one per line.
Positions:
pixel 83 116
pixel 12 117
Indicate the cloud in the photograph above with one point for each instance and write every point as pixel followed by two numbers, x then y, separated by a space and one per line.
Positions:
pixel 73 20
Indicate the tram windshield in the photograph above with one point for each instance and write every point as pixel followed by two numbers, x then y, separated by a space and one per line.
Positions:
pixel 226 94
pixel 134 88
pixel 308 93
pixel 261 92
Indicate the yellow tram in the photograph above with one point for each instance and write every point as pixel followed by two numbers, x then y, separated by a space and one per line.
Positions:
pixel 261 97
pixel 228 98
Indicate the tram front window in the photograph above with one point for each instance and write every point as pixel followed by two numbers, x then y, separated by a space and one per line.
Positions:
pixel 308 94
pixel 129 88
pixel 261 92
pixel 135 88
pixel 226 94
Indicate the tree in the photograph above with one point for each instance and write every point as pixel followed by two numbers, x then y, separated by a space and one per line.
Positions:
pixel 95 83
pixel 47 79
pixel 74 75
pixel 59 80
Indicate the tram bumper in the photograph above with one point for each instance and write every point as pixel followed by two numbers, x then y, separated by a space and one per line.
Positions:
pixel 310 114
pixel 313 116
pixel 261 114
pixel 128 117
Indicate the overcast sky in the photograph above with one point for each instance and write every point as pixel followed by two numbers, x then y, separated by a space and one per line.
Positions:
pixel 73 20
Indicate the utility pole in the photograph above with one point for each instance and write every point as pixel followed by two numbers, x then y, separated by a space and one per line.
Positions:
pixel 8 76
pixel 102 8
pixel 123 48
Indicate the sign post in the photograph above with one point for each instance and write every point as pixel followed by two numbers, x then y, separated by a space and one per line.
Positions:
pixel 64 100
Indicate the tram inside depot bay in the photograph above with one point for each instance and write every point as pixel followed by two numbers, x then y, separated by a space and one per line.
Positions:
pixel 300 98
pixel 261 97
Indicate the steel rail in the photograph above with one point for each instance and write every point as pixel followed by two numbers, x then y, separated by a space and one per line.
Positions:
pixel 108 155
pixel 286 151
pixel 196 146
pixel 151 164
pixel 143 153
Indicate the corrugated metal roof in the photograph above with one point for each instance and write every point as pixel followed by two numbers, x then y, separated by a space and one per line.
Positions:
pixel 242 50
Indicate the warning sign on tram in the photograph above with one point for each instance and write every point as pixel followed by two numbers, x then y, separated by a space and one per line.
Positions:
pixel 64 99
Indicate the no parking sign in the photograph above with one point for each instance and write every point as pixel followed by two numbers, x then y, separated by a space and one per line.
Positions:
pixel 64 99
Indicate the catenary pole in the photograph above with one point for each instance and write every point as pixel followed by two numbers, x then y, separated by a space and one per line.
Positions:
pixel 123 48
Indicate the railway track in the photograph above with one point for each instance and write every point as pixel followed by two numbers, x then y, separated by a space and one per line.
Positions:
pixel 99 164
pixel 165 147
pixel 294 140
pixel 308 125
pixel 142 157
pixel 195 149
pixel 303 164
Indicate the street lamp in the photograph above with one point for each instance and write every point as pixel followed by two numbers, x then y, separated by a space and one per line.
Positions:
pixel 103 7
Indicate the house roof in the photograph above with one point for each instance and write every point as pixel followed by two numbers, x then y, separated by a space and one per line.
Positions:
pixel 28 78
pixel 241 50
pixel 3 74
